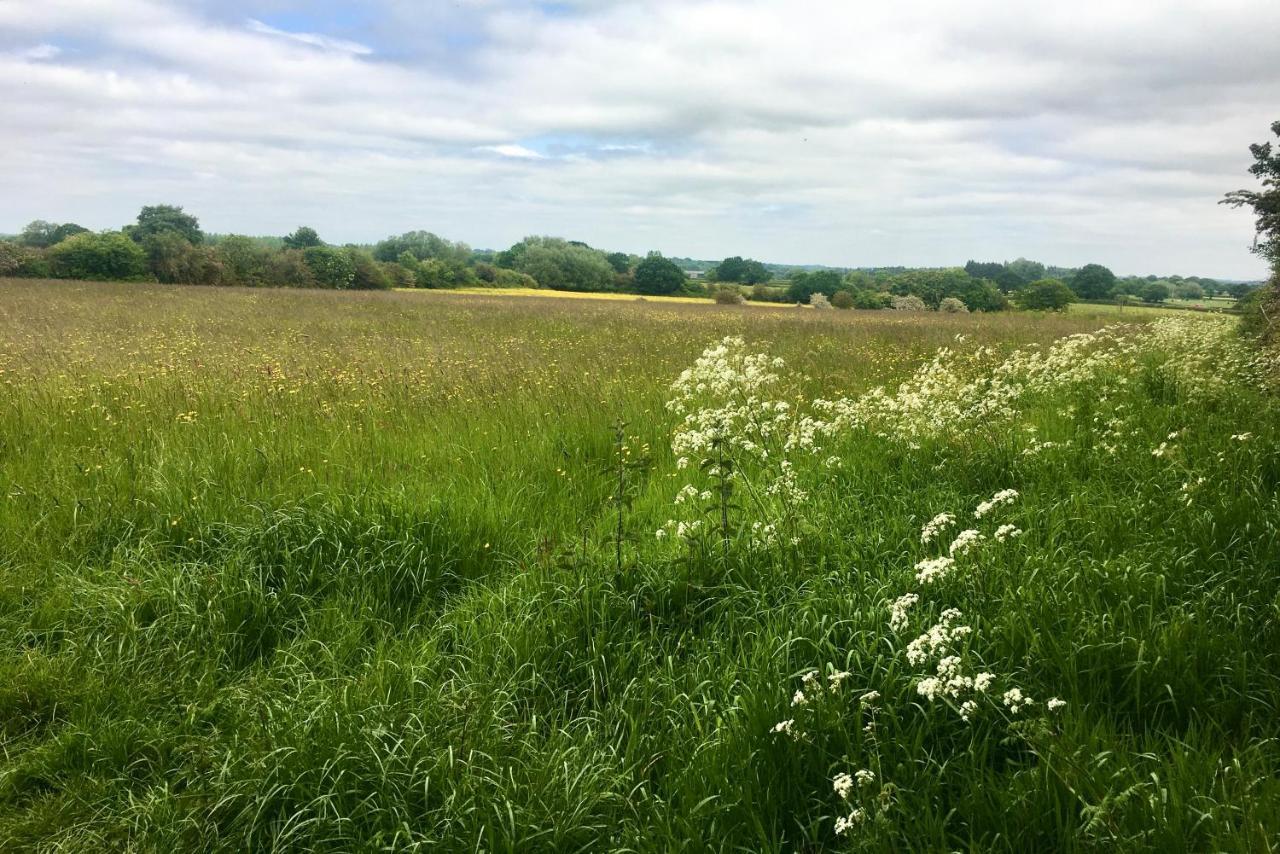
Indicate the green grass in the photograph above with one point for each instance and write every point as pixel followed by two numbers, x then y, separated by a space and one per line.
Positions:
pixel 336 571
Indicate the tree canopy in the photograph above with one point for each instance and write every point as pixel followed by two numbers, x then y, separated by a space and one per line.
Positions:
pixel 658 275
pixel 157 219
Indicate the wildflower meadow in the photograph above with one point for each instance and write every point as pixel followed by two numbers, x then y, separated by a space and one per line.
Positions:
pixel 338 571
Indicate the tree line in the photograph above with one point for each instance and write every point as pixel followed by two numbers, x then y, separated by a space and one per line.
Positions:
pixel 166 244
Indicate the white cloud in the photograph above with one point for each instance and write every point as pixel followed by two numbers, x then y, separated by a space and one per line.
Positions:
pixel 313 39
pixel 794 130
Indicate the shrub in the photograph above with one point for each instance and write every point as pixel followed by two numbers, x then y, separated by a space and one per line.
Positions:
pixel 101 255
pixel 332 268
pixel 1046 295
pixel 764 293
pixel 16 260
pixel 728 296
pixel 820 301
pixel 1261 319
pixel 243 261
pixel 1154 292
pixel 174 260
pixel 842 299
pixel 557 263
pixel 287 269
pixel 910 302
pixel 657 275
pixel 951 305
pixel 369 275
pixel 869 299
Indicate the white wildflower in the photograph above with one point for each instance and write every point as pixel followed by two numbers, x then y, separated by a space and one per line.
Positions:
pixel 1007 532
pixel 1054 704
pixel 934 569
pixel 1001 498
pixel 843 785
pixel 935 526
pixel 898 610
pixel 965 542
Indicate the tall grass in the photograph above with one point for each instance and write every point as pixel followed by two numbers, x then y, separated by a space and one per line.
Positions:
pixel 317 571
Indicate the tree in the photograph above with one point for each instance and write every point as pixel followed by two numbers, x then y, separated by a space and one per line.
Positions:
pixel 984 269
pixel 332 268
pixel 173 259
pixel 104 255
pixel 367 274
pixel 156 219
pixel 756 273
pixel 38 234
pixel 658 275
pixel 1026 271
pixel 619 261
pixel 1046 295
pixel 804 285
pixel 242 261
pixel 560 264
pixel 843 299
pixel 1093 281
pixel 1189 290
pixel 1154 292
pixel 1266 202
pixel 303 237
pixel 731 269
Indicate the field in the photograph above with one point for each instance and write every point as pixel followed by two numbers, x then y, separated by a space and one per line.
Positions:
pixel 291 570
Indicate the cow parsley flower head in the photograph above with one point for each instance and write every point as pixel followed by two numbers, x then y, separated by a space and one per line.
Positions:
pixel 843 785
pixel 965 542
pixel 935 526
pixel 1001 498
pixel 898 610
pixel 934 569
pixel 1007 532
pixel 1055 704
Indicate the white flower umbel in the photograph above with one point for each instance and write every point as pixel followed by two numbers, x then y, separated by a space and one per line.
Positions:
pixel 934 569
pixel 936 526
pixel 965 542
pixel 898 610
pixel 1000 499
pixel 1007 532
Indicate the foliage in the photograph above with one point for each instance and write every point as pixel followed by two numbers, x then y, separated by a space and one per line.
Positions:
pixel 243 261
pixel 174 260
pixel 728 296
pixel 656 275
pixel 101 255
pixel 908 303
pixel 157 219
pixel 367 275
pixel 560 264
pixel 1093 281
pixel 737 269
pixel 304 237
pixel 40 234
pixel 843 299
pixel 951 305
pixel 1046 295
pixel 1265 202
pixel 619 261
pixel 288 268
pixel 331 267
pixel 1154 292
pixel 819 300
pixel 804 285
pixel 19 260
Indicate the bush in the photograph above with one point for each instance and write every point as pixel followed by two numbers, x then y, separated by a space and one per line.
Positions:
pixel 1046 295
pixel 868 299
pixel 174 260
pixel 842 299
pixel 101 255
pixel 1154 292
pixel 819 301
pixel 910 302
pixel 16 260
pixel 656 275
pixel 369 275
pixel 332 268
pixel 559 264
pixel 288 269
pixel 728 296
pixel 1261 319
pixel 951 305
pixel 243 261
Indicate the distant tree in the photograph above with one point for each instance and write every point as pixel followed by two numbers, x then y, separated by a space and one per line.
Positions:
pixel 732 269
pixel 38 234
pixel 756 273
pixel 1155 292
pixel 287 268
pixel 951 305
pixel 67 229
pixel 984 269
pixel 804 284
pixel 172 259
pixel 303 237
pixel 243 261
pixel 1188 290
pixel 1046 295
pixel 1239 290
pixel 870 299
pixel 368 275
pixel 619 261
pixel 843 299
pixel 658 275
pixel 155 219
pixel 560 264
pixel 908 302
pixel 104 255
pixel 1026 271
pixel 331 267
pixel 1093 281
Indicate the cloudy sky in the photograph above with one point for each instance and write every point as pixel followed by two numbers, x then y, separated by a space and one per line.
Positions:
pixel 836 132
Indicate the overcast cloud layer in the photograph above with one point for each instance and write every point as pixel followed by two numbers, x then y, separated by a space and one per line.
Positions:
pixel 795 131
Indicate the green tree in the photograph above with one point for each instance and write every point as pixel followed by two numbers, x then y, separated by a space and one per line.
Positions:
pixel 755 273
pixel 368 275
pixel 1046 295
pixel 243 261
pixel 560 264
pixel 331 267
pixel 1155 292
pixel 658 275
pixel 304 237
pixel 1093 281
pixel 1026 271
pixel 804 285
pixel 171 258
pixel 156 219
pixel 38 234
pixel 1188 290
pixel 101 255
pixel 619 261
pixel 1265 202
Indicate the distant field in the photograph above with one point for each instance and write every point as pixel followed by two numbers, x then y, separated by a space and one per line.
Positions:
pixel 317 570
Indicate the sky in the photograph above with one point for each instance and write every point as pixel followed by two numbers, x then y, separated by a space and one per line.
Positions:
pixel 795 131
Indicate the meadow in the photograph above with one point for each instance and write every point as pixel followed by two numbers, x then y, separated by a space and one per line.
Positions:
pixel 337 571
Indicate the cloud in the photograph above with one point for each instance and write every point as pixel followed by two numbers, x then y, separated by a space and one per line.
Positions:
pixel 512 150
pixel 793 130
pixel 313 39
